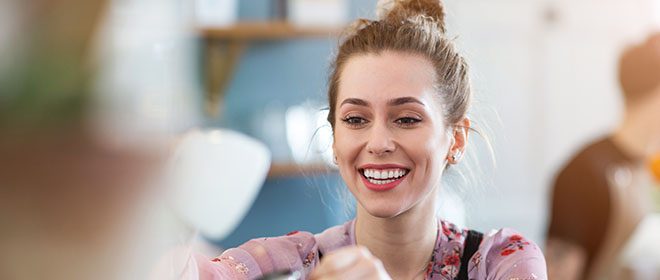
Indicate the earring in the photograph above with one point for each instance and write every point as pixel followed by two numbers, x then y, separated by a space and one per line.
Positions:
pixel 335 159
pixel 456 156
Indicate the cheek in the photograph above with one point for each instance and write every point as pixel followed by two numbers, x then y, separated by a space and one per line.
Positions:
pixel 428 150
pixel 343 150
pixel 346 146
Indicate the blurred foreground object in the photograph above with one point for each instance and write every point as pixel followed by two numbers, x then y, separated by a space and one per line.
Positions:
pixel 91 92
pixel 603 193
pixel 216 175
pixel 44 63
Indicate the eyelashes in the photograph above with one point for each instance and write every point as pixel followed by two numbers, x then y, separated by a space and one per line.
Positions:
pixel 407 121
pixel 357 122
pixel 354 122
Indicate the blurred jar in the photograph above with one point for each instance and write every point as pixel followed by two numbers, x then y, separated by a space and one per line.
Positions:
pixel 215 13
pixel 654 166
pixel 318 12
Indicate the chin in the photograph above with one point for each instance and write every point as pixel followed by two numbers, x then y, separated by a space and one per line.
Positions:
pixel 383 209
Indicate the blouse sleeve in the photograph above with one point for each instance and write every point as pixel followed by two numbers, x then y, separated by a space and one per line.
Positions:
pixel 508 255
pixel 295 252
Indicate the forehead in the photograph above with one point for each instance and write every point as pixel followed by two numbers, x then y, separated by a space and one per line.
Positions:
pixel 387 75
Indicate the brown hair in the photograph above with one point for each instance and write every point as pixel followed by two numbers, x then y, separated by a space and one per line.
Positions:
pixel 410 26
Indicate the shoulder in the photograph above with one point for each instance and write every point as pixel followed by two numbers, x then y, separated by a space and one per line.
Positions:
pixel 336 237
pixel 507 254
pixel 594 159
pixel 583 186
pixel 582 193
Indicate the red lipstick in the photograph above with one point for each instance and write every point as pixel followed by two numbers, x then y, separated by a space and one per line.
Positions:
pixel 382 187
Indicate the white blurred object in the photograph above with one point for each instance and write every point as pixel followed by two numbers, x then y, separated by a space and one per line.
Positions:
pixel 216 175
pixel 309 134
pixel 318 12
pixel 269 126
pixel 641 255
pixel 144 88
pixel 215 13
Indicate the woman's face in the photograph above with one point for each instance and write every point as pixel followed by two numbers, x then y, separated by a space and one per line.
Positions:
pixel 390 141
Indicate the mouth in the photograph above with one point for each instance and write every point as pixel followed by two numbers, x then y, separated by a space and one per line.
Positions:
pixel 383 178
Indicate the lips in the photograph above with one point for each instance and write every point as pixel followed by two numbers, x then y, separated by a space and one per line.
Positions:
pixel 383 177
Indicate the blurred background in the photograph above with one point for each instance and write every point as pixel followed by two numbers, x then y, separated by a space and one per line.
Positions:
pixel 547 68
pixel 544 77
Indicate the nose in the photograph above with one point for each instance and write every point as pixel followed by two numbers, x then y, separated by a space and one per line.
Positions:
pixel 380 141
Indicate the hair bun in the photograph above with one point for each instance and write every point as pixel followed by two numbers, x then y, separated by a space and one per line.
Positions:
pixel 405 10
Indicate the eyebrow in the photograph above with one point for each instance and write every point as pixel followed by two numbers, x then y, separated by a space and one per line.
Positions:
pixel 393 102
pixel 404 100
pixel 354 101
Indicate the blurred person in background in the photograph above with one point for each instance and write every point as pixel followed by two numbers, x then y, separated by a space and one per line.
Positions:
pixel 602 194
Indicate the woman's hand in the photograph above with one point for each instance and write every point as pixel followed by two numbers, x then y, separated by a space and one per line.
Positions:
pixel 354 262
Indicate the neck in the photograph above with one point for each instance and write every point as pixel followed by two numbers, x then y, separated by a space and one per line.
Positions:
pixel 396 241
pixel 637 136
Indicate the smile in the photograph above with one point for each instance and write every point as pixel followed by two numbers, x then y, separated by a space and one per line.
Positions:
pixel 382 179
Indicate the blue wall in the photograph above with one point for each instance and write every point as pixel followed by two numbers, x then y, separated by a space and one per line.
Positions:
pixel 284 205
pixel 284 73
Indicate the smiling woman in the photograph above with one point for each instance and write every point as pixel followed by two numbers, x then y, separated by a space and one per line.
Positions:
pixel 397 123
pixel 398 97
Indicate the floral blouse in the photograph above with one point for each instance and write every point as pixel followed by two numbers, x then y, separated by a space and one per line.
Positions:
pixel 502 254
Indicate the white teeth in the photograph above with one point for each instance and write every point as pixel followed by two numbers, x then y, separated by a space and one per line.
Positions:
pixel 384 175
pixel 380 182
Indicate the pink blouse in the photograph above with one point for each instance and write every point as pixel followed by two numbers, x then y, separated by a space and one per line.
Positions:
pixel 502 254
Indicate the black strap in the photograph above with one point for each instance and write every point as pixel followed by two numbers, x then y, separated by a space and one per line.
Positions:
pixel 472 242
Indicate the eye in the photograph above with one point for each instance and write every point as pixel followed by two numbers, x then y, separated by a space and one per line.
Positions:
pixel 354 121
pixel 407 121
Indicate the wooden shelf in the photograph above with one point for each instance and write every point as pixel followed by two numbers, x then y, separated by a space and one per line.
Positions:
pixel 224 48
pixel 292 169
pixel 266 31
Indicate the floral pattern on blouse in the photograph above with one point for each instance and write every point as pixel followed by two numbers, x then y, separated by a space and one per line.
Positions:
pixel 446 260
pixel 516 242
pixel 231 261
pixel 503 254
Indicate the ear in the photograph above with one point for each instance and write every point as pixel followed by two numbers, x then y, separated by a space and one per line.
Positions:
pixel 334 153
pixel 459 137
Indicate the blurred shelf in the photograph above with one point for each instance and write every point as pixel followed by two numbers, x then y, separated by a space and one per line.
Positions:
pixel 279 170
pixel 224 48
pixel 260 30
